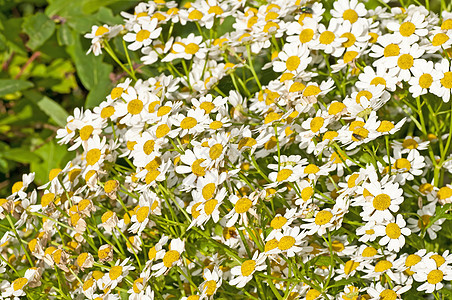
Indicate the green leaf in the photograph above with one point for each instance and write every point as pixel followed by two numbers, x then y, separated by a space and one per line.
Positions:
pixel 8 86
pixel 53 110
pixel 20 155
pixel 90 69
pixel 97 95
pixel 39 28
pixel 65 35
pixel 53 156
pixel 91 6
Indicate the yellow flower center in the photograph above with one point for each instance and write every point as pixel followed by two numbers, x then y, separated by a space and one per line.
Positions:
pixel 135 107
pixel 316 124
pixel 215 151
pixel 306 35
pixel 381 202
pixel 278 222
pixel 423 221
pixel 382 266
pixel 248 267
pixel 210 206
pixel 438 259
pixel 142 213
pixel 335 108
pixel 170 257
pixel 286 242
pixel 115 272
pixel 393 231
pixel 323 217
pixel 350 15
pixel 412 259
pixel 407 29
pixel 85 132
pixel 142 35
pixel 435 276
pixel 197 169
pixel 100 31
pixel 439 39
pixel 243 205
pixel 19 283
pixel 388 295
pixel 191 48
pixel 311 169
pixel 311 90
pixel 351 39
pixel 110 186
pixel 283 174
pixel 207 106
pixel 405 61
pixel 106 216
pixel 215 125
pixel 93 156
pixel 410 144
pixel 210 287
pixel 292 63
pixel 391 50
pixel 326 37
pixel 350 266
pixel 378 80
pixel 385 126
pixel 369 252
pixel 195 15
pixel 444 193
pixel 402 164
pixel 188 123
pixel 148 147
pixel 307 193
pixel 446 81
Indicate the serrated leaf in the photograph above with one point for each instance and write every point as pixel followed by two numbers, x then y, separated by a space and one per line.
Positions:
pixel 39 28
pixel 53 110
pixel 8 86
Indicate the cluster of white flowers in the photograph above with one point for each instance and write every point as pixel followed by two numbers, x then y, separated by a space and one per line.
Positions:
pixel 264 163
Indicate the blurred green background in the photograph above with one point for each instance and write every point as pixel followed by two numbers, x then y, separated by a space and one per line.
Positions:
pixel 45 74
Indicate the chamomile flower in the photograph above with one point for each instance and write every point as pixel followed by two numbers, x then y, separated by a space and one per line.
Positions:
pixel 393 233
pixel 442 80
pixel 116 274
pixel 143 34
pixel 426 213
pixel 169 258
pixel 244 273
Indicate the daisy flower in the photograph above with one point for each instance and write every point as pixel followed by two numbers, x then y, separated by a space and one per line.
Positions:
pixel 212 281
pixel 169 258
pixel 380 199
pixel 393 233
pixel 116 274
pixel 431 275
pixel 242 206
pixel 244 273
pixel 426 213
pixel 293 58
pixel 411 29
pixel 143 34
pixel 442 80
pixel 377 291
pixel 348 10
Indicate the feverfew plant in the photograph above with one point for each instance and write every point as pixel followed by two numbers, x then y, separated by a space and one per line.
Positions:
pixel 257 150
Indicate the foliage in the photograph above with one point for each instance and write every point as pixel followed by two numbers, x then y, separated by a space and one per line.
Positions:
pixel 45 76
